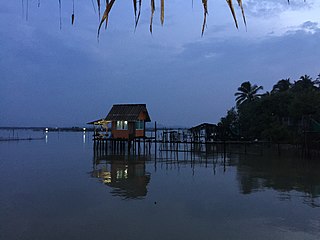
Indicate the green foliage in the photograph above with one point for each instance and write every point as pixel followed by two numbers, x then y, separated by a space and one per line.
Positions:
pixel 282 86
pixel 284 115
pixel 228 125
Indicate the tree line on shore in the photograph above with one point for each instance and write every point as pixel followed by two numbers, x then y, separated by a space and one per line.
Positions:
pixel 288 113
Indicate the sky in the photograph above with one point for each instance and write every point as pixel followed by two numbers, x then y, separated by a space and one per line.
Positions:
pixel 67 77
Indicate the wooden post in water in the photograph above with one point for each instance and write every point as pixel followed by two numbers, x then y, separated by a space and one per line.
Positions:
pixel 134 146
pixel 129 146
pixel 106 146
pixel 245 148
pixel 155 139
pixel 279 151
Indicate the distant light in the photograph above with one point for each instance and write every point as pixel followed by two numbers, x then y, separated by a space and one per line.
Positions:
pixel 107 180
pixel 84 129
pixel 47 129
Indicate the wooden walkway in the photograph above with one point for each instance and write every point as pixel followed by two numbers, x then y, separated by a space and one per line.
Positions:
pixel 151 145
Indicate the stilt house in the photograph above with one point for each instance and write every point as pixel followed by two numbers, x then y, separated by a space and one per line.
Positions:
pixel 128 121
pixel 204 132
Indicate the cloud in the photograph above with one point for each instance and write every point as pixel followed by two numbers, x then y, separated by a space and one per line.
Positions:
pixel 263 62
pixel 271 8
pixel 307 27
pixel 310 25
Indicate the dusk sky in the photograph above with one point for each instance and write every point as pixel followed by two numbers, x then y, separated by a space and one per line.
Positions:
pixel 53 77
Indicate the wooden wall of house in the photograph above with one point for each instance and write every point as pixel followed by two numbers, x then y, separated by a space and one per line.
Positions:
pixel 126 134
pixel 123 134
pixel 139 133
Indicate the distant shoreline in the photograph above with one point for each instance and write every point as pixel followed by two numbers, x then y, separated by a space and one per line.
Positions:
pixel 51 129
pixel 20 139
pixel 79 129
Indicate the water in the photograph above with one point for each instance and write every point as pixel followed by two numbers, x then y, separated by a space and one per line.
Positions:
pixel 58 188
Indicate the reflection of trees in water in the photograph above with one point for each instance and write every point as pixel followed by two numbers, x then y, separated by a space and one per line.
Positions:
pixel 283 175
pixel 127 178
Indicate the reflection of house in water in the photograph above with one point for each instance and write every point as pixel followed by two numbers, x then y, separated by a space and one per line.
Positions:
pixel 128 179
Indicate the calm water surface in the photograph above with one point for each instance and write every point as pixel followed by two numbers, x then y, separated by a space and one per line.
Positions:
pixel 59 188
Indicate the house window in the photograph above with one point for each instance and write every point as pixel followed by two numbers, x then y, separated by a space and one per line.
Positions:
pixel 122 125
pixel 139 125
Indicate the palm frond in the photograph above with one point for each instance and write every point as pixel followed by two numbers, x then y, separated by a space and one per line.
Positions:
pixel 106 15
pixel 205 13
pixel 135 10
pixel 233 12
pixel 242 11
pixel 72 16
pixel 99 8
pixel 152 13
pixel 162 12
pixel 139 12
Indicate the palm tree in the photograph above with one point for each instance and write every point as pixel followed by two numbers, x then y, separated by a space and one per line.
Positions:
pixel 247 93
pixel 282 85
pixel 306 82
